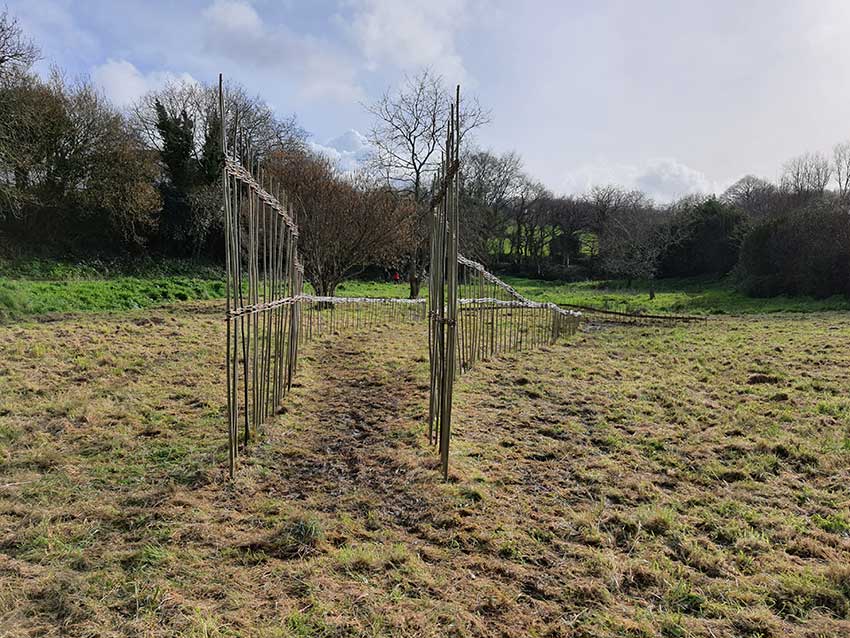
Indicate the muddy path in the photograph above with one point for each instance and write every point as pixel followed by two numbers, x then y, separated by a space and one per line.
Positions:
pixel 353 432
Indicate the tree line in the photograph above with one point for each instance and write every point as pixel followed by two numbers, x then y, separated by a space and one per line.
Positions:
pixel 80 178
pixel 788 237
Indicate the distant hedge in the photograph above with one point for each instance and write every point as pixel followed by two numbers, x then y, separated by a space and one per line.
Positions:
pixel 711 233
pixel 806 252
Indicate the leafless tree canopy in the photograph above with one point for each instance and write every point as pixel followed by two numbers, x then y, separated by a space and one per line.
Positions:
pixel 841 165
pixel 346 222
pixel 755 196
pixel 635 238
pixel 407 135
pixel 17 53
pixel 806 174
pixel 260 129
pixel 410 128
pixel 489 183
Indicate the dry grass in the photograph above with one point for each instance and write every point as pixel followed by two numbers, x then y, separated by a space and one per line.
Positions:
pixel 635 482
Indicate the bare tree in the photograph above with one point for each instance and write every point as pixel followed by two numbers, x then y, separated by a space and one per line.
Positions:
pixel 259 128
pixel 841 164
pixel 346 221
pixel 537 229
pixel 522 210
pixel 755 196
pixel 611 199
pixel 568 216
pixel 18 118
pixel 17 52
pixel 603 203
pixel 488 184
pixel 407 135
pixel 806 175
pixel 635 239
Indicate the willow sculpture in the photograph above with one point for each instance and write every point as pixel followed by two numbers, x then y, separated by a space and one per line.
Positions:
pixel 472 313
pixel 268 315
pixel 264 285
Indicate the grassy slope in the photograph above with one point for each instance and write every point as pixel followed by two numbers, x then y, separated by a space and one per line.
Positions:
pixel 693 296
pixel 634 482
pixel 696 296
pixel 20 298
pixel 44 287
pixel 47 287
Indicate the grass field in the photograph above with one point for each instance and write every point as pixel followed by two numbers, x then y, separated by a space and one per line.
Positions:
pixel 631 482
pixel 687 296
pixel 45 288
pixel 684 296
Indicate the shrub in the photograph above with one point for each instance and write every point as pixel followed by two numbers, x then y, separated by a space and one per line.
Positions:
pixel 710 244
pixel 804 253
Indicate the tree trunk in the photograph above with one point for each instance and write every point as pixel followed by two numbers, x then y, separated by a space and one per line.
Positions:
pixel 413 279
pixel 652 289
pixel 325 289
pixel 414 288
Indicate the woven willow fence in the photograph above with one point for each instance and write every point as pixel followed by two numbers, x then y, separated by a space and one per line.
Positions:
pixel 474 316
pixel 328 315
pixel 494 318
pixel 264 285
pixel 268 315
pixel 471 313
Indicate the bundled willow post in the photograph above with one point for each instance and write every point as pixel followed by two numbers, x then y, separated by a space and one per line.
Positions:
pixel 488 318
pixel 442 290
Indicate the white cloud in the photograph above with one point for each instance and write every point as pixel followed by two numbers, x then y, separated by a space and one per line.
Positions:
pixel 348 151
pixel 234 30
pixel 234 16
pixel 664 179
pixel 325 76
pixel 123 83
pixel 411 34
pixel 667 179
pixel 53 27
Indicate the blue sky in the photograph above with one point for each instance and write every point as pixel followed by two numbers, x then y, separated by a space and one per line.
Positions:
pixel 671 96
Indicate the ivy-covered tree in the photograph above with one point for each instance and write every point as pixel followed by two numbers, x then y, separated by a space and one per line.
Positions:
pixel 178 140
pixel 212 159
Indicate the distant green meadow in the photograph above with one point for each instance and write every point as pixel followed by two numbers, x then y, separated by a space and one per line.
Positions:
pixel 39 288
pixel 683 296
pixel 20 298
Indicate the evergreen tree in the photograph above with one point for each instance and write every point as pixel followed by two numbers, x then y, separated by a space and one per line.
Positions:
pixel 178 138
pixel 212 159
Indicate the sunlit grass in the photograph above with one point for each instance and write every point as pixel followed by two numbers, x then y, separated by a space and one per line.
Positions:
pixel 637 481
pixel 34 288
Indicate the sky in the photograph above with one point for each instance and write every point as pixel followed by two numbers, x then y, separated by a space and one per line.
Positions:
pixel 670 96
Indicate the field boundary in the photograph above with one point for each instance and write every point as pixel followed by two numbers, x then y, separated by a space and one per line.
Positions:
pixel 633 317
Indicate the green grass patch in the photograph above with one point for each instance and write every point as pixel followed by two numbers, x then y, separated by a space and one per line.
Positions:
pixel 44 287
pixel 697 296
pixel 21 297
pixel 687 296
